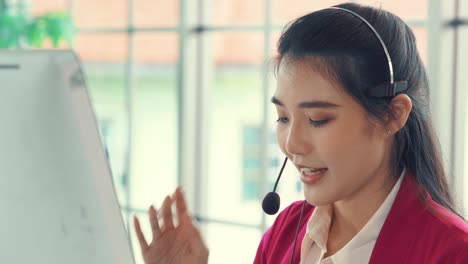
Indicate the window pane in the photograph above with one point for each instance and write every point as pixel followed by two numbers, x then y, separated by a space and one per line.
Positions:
pixel 41 7
pixel 104 68
pixel 235 119
pixel 285 11
pixel 417 9
pixel 235 145
pixel 110 47
pixel 421 42
pixel 156 13
pixel 236 48
pixel 102 13
pixel 106 87
pixel 154 159
pixel 231 244
pixel 156 49
pixel 275 35
pixel 239 12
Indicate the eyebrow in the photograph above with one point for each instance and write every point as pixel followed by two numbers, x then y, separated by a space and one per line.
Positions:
pixel 311 104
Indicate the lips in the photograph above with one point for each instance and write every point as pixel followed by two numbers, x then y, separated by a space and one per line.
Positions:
pixel 312 175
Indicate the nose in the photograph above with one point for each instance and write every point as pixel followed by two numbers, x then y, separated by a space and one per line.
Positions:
pixel 297 140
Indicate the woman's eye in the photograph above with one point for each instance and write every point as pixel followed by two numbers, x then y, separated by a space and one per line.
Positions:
pixel 318 123
pixel 282 120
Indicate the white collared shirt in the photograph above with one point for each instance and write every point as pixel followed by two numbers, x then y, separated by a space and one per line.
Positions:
pixel 358 249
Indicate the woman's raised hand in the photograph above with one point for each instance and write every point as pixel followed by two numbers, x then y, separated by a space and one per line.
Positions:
pixel 172 244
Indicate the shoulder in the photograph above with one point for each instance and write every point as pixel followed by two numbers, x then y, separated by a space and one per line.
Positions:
pixel 419 230
pixel 447 220
pixel 450 229
pixel 416 206
pixel 444 233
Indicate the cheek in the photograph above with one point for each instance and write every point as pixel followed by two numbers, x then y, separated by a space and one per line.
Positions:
pixel 281 138
pixel 347 146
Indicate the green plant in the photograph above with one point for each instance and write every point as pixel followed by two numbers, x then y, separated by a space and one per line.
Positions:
pixel 16 30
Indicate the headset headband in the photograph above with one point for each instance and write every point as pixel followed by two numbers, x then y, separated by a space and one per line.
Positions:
pixel 383 90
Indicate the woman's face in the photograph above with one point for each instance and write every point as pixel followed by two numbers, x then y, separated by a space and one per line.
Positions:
pixel 340 152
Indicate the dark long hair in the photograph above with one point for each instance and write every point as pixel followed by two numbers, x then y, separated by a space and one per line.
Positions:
pixel 350 53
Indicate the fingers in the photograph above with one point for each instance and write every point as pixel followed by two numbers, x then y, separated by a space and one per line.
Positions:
pixel 155 229
pixel 166 213
pixel 139 234
pixel 181 206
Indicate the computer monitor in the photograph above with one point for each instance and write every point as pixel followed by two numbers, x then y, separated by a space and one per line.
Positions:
pixel 57 196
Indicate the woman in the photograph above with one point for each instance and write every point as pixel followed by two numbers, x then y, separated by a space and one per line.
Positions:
pixel 353 117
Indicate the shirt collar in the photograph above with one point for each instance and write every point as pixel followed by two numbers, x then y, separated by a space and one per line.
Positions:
pixel 319 225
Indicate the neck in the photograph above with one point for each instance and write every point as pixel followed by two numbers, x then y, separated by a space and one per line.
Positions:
pixel 351 215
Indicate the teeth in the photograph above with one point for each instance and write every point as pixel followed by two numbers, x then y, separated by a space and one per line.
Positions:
pixel 311 171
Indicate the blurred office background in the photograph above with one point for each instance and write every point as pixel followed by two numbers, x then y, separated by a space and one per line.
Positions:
pixel 181 91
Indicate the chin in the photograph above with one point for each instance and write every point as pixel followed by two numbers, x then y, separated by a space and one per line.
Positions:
pixel 317 202
pixel 317 198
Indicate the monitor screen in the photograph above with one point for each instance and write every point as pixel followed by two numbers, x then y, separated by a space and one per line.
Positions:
pixel 57 196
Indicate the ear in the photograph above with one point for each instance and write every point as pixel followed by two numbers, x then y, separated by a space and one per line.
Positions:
pixel 400 108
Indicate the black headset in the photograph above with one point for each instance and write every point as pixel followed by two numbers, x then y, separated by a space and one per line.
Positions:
pixel 271 202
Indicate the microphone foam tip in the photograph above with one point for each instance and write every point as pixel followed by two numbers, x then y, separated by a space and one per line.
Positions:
pixel 271 203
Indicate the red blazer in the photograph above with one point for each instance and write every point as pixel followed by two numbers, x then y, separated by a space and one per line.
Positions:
pixel 413 232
